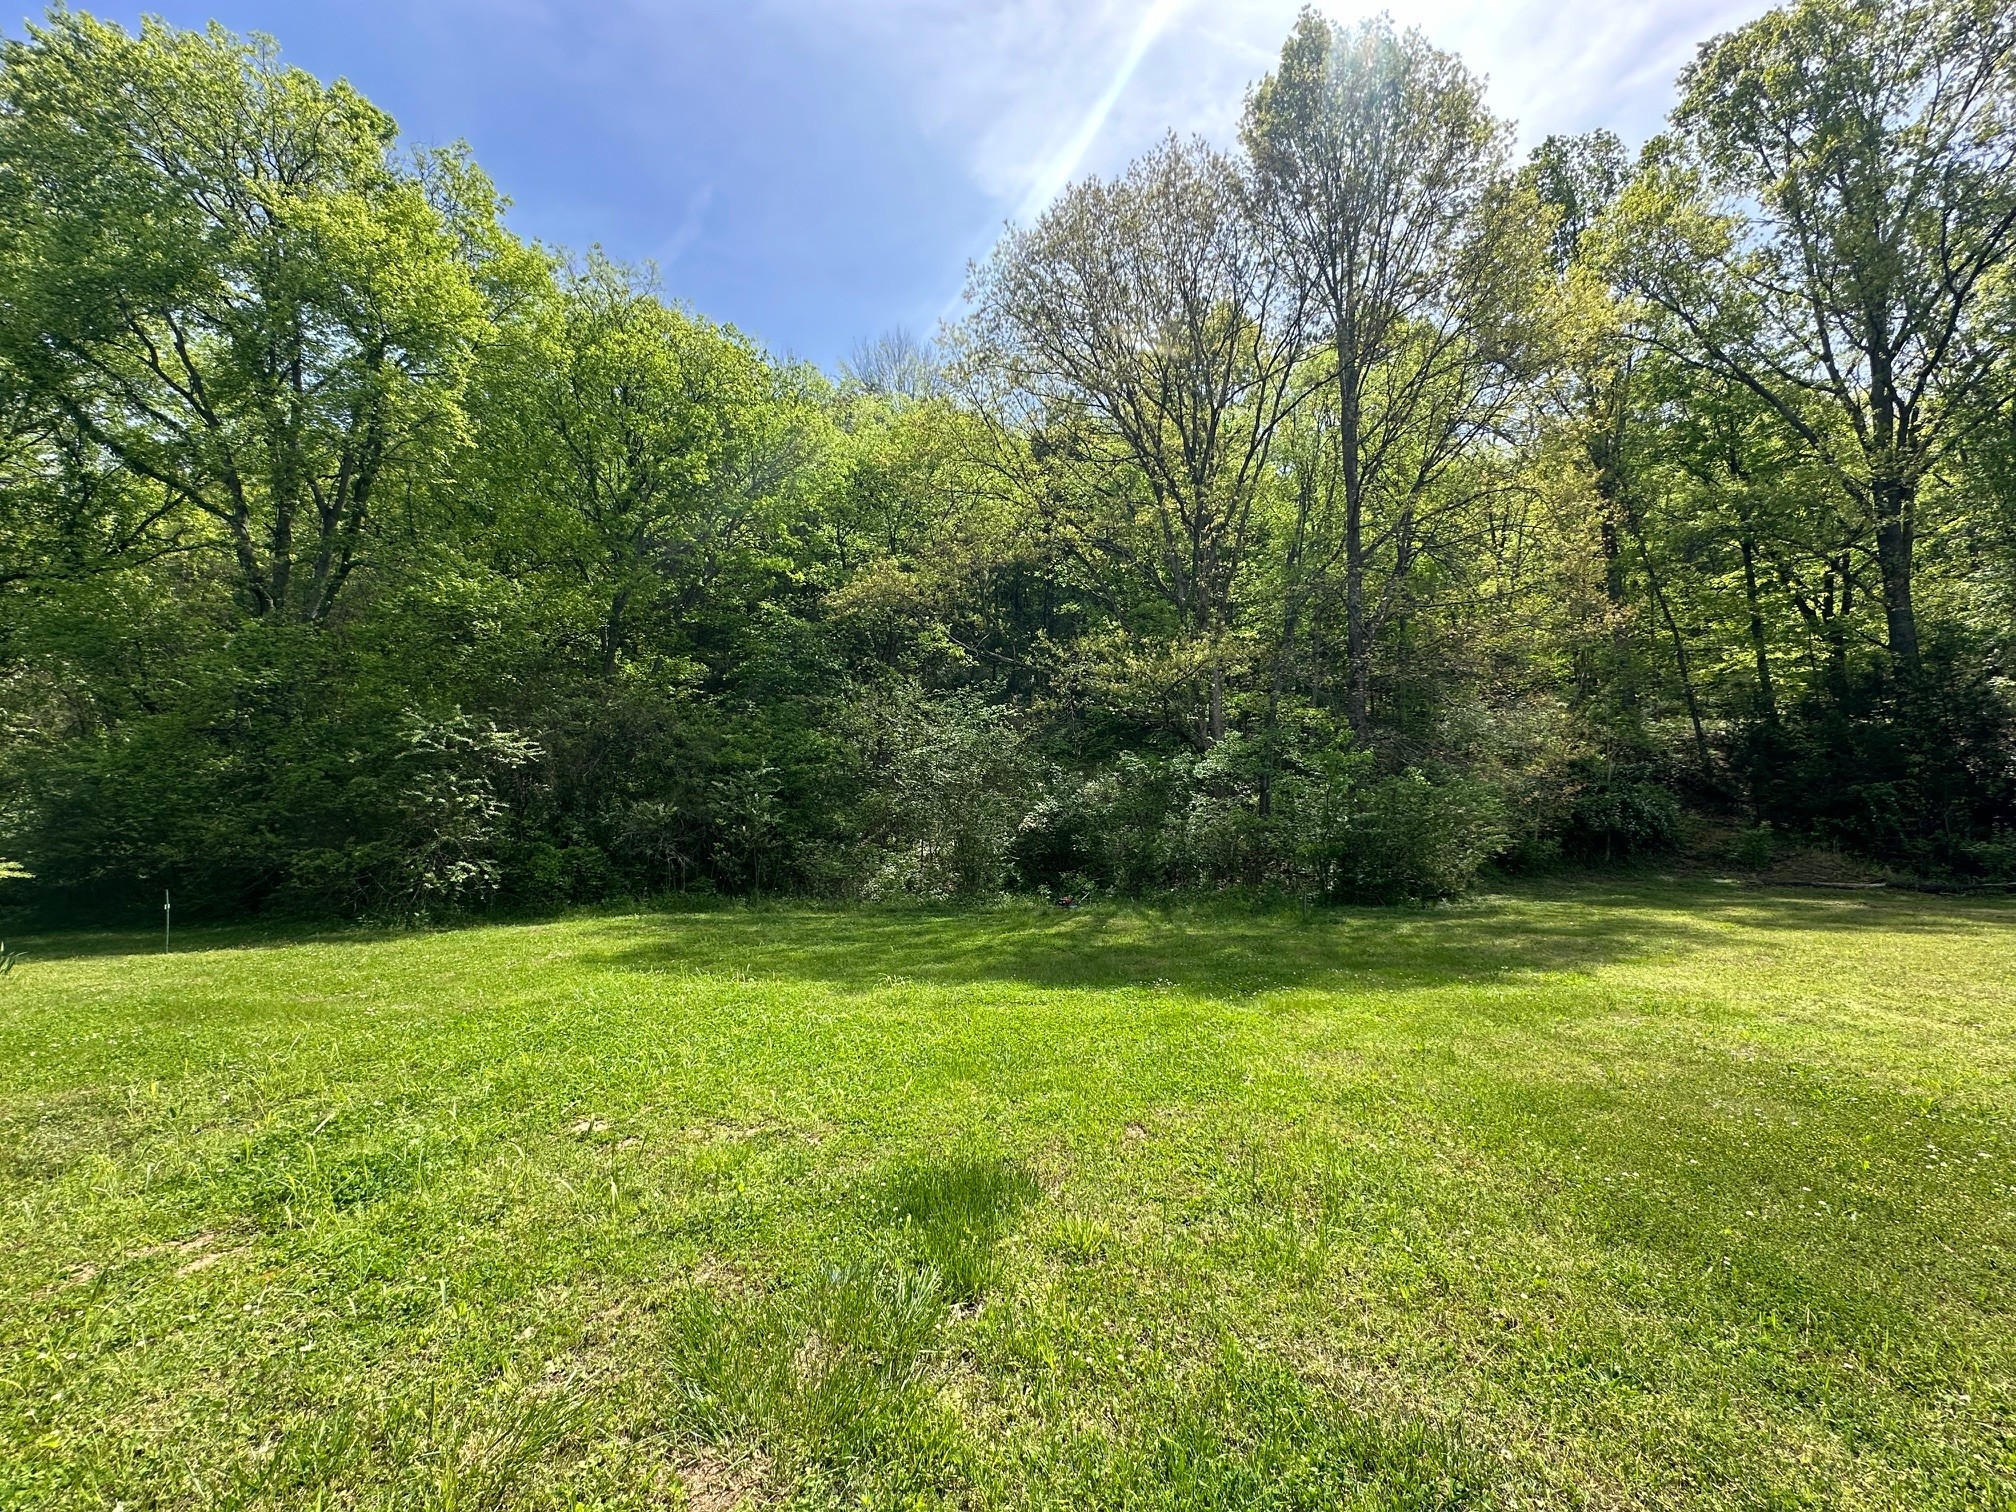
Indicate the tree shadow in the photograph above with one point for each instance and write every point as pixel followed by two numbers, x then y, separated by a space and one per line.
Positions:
pixel 111 943
pixel 1224 950
pixel 1210 947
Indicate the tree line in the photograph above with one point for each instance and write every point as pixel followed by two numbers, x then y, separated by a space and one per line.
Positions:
pixel 1348 510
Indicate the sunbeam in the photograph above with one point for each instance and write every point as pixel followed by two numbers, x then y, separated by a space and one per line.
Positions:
pixel 1057 173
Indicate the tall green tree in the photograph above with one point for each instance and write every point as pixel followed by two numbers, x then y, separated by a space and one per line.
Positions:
pixel 639 461
pixel 1831 232
pixel 1143 336
pixel 1385 178
pixel 222 275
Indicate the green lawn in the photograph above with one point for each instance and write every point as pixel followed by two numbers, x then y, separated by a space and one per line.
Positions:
pixel 1585 1196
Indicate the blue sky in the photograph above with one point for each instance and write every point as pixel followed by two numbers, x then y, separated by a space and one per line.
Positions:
pixel 818 171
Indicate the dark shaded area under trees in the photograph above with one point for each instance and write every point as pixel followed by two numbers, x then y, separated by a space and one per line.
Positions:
pixel 1343 511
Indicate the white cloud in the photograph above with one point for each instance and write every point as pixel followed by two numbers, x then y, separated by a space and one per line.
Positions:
pixel 1060 167
pixel 1030 92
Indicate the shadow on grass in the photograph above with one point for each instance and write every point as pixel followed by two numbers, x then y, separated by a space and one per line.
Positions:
pixel 1224 950
pixel 108 943
pixel 1208 947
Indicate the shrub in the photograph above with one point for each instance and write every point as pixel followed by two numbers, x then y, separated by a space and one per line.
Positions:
pixel 1306 815
pixel 1220 832
pixel 431 831
pixel 1106 830
pixel 1410 837
pixel 1914 768
pixel 951 787
pixel 536 875
pixel 1754 849
pixel 1614 819
pixel 445 850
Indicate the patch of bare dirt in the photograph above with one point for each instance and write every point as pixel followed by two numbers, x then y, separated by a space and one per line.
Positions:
pixel 715 1481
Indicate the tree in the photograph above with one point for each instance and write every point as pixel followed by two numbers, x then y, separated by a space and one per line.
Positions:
pixel 1578 178
pixel 895 365
pixel 636 456
pixel 1147 343
pixel 1384 177
pixel 1285 515
pixel 219 273
pixel 1829 230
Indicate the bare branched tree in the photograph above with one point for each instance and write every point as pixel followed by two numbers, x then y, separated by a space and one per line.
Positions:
pixel 1148 342
pixel 897 364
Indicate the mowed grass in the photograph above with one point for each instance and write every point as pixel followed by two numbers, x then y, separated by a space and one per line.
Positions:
pixel 1613 1196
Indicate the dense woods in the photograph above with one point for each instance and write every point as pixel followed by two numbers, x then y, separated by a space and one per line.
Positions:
pixel 1347 510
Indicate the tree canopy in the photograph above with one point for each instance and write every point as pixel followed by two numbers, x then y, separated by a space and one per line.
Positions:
pixel 1345 509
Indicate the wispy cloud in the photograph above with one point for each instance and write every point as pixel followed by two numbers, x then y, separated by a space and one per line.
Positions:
pixel 1058 172
pixel 1037 91
pixel 1010 84
pixel 691 224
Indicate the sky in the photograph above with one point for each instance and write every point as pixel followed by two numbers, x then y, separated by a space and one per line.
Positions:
pixel 817 172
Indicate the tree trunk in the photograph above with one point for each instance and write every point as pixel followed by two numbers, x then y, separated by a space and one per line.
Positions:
pixel 613 633
pixel 1606 459
pixel 1895 542
pixel 1680 653
pixel 1357 650
pixel 1759 646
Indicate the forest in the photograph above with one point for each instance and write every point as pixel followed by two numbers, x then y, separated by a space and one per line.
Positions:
pixel 1351 511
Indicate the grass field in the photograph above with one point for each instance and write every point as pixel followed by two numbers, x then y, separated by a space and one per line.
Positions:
pixel 1611 1196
